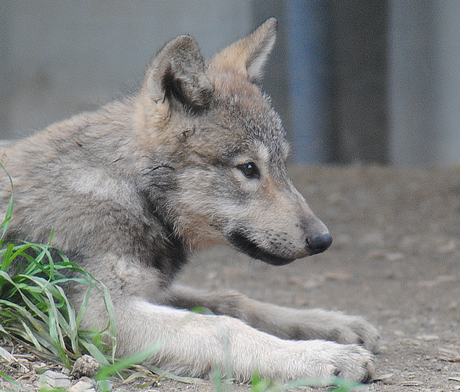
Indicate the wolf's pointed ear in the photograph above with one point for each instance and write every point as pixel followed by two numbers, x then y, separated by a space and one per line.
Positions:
pixel 249 55
pixel 176 74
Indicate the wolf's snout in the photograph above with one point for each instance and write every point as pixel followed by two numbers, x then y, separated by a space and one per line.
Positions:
pixel 319 243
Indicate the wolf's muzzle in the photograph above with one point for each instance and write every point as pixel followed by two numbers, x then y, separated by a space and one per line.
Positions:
pixel 314 245
pixel 240 240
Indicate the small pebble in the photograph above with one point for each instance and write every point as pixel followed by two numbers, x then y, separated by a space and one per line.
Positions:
pixel 427 338
pixel 86 365
pixel 385 378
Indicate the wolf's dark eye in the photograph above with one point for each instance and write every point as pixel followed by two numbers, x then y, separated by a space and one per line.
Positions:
pixel 250 170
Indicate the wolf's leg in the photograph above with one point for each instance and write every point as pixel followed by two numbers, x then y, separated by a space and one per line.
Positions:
pixel 193 344
pixel 286 323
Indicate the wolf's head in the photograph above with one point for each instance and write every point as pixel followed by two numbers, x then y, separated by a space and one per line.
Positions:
pixel 215 137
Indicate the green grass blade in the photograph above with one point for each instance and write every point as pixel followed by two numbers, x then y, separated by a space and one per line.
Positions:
pixel 125 363
pixel 95 352
pixel 6 355
pixel 57 338
pixel 12 381
pixel 9 210
pixel 30 335
pixel 34 308
pixel 83 306
pixel 6 254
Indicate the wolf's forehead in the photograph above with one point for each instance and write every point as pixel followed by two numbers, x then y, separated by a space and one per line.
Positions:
pixel 254 140
pixel 269 152
pixel 244 101
pixel 250 110
pixel 261 126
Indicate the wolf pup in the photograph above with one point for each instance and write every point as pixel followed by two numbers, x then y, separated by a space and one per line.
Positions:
pixel 195 158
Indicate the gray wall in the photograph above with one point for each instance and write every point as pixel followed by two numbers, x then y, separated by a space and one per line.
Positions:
pixel 359 86
pixel 59 58
pixel 384 85
pixel 414 127
pixel 424 82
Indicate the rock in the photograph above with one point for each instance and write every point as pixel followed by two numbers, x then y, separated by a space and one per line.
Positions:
pixel 54 380
pixel 82 386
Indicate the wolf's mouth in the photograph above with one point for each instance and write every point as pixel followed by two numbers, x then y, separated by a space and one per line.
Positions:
pixel 242 242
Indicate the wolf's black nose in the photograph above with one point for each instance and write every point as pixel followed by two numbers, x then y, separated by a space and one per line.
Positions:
pixel 319 243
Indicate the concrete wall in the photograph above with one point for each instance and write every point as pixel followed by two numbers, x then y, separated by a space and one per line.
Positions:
pixel 60 58
pixel 448 80
pixel 354 80
pixel 424 82
pixel 360 85
pixel 414 128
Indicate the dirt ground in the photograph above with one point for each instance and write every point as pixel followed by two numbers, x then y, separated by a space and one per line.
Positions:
pixel 395 259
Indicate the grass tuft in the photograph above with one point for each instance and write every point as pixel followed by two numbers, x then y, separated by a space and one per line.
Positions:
pixel 34 308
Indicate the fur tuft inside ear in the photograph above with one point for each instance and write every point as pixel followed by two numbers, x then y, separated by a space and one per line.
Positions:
pixel 249 55
pixel 177 75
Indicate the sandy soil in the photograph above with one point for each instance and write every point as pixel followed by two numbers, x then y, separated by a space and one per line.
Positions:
pixel 395 260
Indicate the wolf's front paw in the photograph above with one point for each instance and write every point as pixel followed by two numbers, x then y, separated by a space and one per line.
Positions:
pixel 355 330
pixel 347 361
pixel 321 361
pixel 353 363
pixel 335 326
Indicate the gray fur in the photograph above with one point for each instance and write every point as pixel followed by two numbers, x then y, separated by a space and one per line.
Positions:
pixel 134 187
